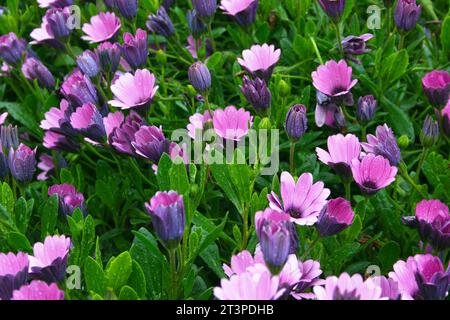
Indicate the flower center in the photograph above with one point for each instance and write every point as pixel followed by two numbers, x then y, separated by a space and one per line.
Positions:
pixel 294 213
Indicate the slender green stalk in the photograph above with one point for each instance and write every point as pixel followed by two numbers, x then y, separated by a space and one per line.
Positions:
pixel 348 191
pixel 139 172
pixel 316 49
pixel 213 42
pixel 292 157
pixel 404 173
pixel 173 274
pixel 339 39
pixel 207 105
pixel 245 233
pixel 402 41
pixel 311 246
pixel 423 156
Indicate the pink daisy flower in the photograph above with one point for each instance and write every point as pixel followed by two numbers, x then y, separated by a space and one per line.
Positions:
pixel 38 290
pixel 102 27
pixel 260 60
pixel 232 123
pixel 334 78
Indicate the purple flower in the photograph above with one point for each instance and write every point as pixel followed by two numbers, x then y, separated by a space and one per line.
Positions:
pixel 54 3
pixel 12 48
pixel 406 14
pixel 231 123
pixel 150 143
pixel 195 23
pixel 242 262
pixel 109 56
pixel 421 277
pixel 33 69
pixel 334 79
pixel 49 259
pixel 257 93
pixel 168 216
pixel 22 163
pixel 57 22
pixel 57 141
pixel 199 77
pixel 58 119
pixel 309 277
pixel 160 23
pixel 341 151
pixel 328 112
pixel 303 200
pixel 205 8
pixel 89 122
pixel 333 8
pixel 112 121
pixel 134 91
pixel 13 273
pixel 260 60
pixel 383 144
pixel 78 89
pixel 389 287
pixel 430 132
pixel 197 123
pixel 336 216
pixel 68 197
pixel 355 46
pixel 47 166
pixel 89 63
pixel 38 290
pixel 122 138
pixel 242 11
pixel 373 173
pixel 127 8
pixel 102 27
pixel 432 220
pixel 348 287
pixel 9 137
pixel 296 122
pixel 445 114
pixel 436 85
pixel 367 106
pixel 4 169
pixel 135 49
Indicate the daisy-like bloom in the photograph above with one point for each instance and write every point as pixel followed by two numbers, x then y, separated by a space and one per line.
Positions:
pixel 346 287
pixel 58 141
pixel 249 286
pixel 33 69
pixel 303 200
pixel 135 48
pixel 69 198
pixel 336 216
pixel 49 259
pixel 122 138
pixel 22 163
pixel 47 166
pixel 89 122
pixel 12 48
pixel 406 14
pixel 197 124
pixel 334 78
pixel 432 220
pixel 389 287
pixel 309 277
pixel 54 27
pixel 333 8
pixel 421 277
pixel 112 121
pixel 436 85
pixel 102 27
pixel 384 144
pixel 355 46
pixel 445 114
pixel 38 290
pixel 13 273
pixel 54 3
pixel 134 91
pixel 242 11
pixel 373 173
pixel 168 216
pixel 78 89
pixel 260 60
pixel 242 261
pixel 150 143
pixel 231 123
pixel 57 119
pixel 341 151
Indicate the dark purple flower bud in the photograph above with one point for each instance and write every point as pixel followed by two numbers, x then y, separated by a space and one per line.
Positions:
pixel 430 132
pixel 56 3
pixel 89 122
pixel 167 3
pixel 33 69
pixel 135 49
pixel 57 22
pixel 4 170
pixel 9 137
pixel 49 259
pixel 160 23
pixel 168 216
pixel 383 144
pixel 195 24
pixel 150 143
pixel 274 231
pixel 257 93
pixel 335 217
pixel 58 141
pixel 354 46
pixel 296 122
pixel 13 273
pixel 22 163
pixel 109 56
pixel 88 63
pixel 367 106
pixel 122 138
pixel 127 8
pixel 333 8
pixel 78 89
pixel 12 48
pixel 69 199
pixel 199 77
pixel 445 114
pixel 205 8
pixel 436 85
pixel 243 12
pixel 406 14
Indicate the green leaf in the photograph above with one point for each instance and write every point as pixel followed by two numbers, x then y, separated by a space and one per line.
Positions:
pixel 127 293
pixel 7 199
pixel 393 67
pixel 163 177
pixel 212 259
pixel 18 242
pixel 398 119
pixel 22 213
pixel 388 255
pixel 87 239
pixel 445 35
pixel 94 277
pixel 214 60
pixel 49 214
pixel 352 232
pixel 179 180
pixel 118 271
pixel 224 180
pixel 137 279
pixel 22 114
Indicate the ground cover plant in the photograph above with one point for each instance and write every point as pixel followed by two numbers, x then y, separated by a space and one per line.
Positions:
pixel 229 149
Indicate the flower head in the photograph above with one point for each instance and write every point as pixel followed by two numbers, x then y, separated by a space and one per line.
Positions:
pixel 231 123
pixel 197 123
pixel 303 200
pixel 260 60
pixel 22 163
pixel 122 138
pixel 78 89
pixel 89 122
pixel 356 45
pixel 58 141
pixel 406 14
pixel 13 273
pixel 335 217
pixel 296 122
pixel 436 85
pixel 373 173
pixel 127 8
pixel 68 197
pixel 12 48
pixel 38 290
pixel 160 23
pixel 243 12
pixel 205 8
pixel 109 56
pixel 33 69
pixel 366 108
pixel 430 132
pixel 89 63
pixel 150 143
pixel 102 27
pixel 384 144
pixel 54 3
pixel 135 48
pixel 257 93
pixel 334 78
pixel 333 8
pixel 200 77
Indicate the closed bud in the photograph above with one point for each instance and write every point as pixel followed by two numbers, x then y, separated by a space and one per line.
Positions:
pixel 12 48
pixel 284 89
pixel 88 63
pixel 406 14
pixel 403 141
pixel 135 48
pixel 446 119
pixel 22 163
pixel 296 122
pixel 265 124
pixel 200 77
pixel 161 57
pixel 335 217
pixel 366 108
pixel 257 93
pixel 57 22
pixel 430 132
pixel 33 69
pixel 205 8
pixel 127 8
pixel 195 24
pixel 108 56
pixel 160 23
pixel 333 8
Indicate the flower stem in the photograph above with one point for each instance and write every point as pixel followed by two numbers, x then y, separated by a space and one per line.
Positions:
pixel 292 157
pixel 348 191
pixel 421 161
pixel 402 41
pixel 207 105
pixel 173 274
pixel 404 172
pixel 339 39
pixel 311 246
